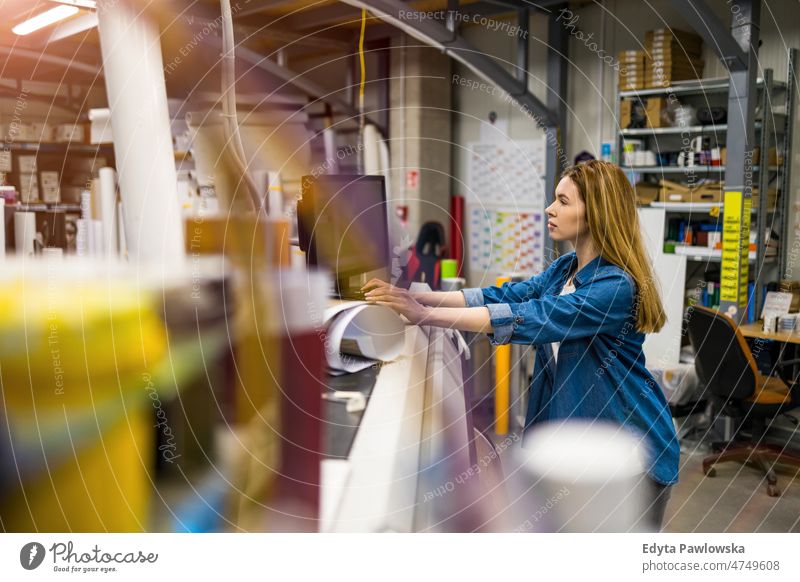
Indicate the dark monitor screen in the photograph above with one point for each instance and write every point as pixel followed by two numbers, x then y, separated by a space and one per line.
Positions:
pixel 343 224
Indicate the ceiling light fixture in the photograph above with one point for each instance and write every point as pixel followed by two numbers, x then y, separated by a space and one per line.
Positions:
pixel 45 19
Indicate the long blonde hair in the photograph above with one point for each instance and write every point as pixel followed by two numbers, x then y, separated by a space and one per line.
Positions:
pixel 614 226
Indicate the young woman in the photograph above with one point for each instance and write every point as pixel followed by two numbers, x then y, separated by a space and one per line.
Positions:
pixel 587 313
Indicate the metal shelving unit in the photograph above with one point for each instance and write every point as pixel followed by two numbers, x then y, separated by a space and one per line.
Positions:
pixel 686 169
pixel 771 128
pixel 695 207
pixel 692 129
pixel 58 148
pixel 692 87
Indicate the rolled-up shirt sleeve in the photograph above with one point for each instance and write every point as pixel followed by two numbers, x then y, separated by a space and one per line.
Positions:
pixel 600 306
pixel 506 293
pixel 473 296
pixel 503 323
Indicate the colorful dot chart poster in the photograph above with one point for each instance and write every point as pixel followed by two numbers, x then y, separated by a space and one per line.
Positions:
pixel 505 210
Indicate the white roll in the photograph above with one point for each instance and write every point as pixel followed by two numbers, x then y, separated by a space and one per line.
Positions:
pixel 96 236
pixel 593 472
pixel 372 150
pixel 53 253
pixel 360 334
pixel 82 237
pixel 108 209
pixel 137 97
pixel 25 233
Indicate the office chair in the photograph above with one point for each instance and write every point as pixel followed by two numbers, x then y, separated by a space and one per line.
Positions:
pixel 725 363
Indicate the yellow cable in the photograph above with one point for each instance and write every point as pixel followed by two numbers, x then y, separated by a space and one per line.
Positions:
pixel 363 64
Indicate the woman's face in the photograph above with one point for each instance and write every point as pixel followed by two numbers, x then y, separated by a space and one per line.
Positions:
pixel 567 214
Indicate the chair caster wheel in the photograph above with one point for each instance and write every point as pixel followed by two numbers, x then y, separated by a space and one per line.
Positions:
pixel 772 490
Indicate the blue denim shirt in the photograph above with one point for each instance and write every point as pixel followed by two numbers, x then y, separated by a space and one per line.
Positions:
pixel 600 371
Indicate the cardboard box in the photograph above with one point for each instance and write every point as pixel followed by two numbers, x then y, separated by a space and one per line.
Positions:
pixel 631 59
pixel 661 68
pixel 772 156
pixel 631 55
pixel 50 187
pixel 625 110
pixel 28 188
pixel 633 68
pixel 655 110
pixel 673 48
pixel 27 164
pixel 687 41
pixel 42 132
pixel 661 81
pixel 793 287
pixel 5 161
pixel 675 192
pixel 70 133
pixel 646 193
pixel 630 85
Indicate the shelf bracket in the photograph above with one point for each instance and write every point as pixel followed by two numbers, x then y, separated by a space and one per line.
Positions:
pixel 726 43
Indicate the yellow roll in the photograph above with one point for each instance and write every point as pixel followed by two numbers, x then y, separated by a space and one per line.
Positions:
pixel 502 374
pixel 75 360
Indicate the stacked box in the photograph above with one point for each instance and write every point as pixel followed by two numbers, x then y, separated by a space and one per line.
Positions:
pixel 672 55
pixel 26 164
pixel 655 110
pixel 50 186
pixel 28 188
pixel 631 70
pixel 5 161
pixel 70 133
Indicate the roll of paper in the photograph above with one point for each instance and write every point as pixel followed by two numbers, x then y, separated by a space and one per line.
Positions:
pixel 108 209
pixel 361 334
pixel 25 233
pixel 96 235
pixel 82 237
pixel 589 466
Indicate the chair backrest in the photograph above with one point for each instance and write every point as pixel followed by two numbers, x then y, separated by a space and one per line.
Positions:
pixel 723 359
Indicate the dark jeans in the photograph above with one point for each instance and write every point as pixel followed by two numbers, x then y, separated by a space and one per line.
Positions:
pixel 657 503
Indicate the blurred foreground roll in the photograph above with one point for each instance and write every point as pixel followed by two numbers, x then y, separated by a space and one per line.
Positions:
pixel 78 362
pixel 587 476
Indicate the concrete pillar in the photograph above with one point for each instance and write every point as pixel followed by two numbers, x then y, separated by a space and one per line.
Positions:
pixel 137 98
pixel 421 129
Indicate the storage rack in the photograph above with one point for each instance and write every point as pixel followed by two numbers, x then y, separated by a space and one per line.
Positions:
pixel 773 128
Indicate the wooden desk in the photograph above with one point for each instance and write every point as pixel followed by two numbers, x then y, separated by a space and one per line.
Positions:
pixel 755 330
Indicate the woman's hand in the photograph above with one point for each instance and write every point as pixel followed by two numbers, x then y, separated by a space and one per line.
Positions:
pixel 397 298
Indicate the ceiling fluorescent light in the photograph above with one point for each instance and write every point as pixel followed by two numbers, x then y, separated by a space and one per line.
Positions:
pixel 45 19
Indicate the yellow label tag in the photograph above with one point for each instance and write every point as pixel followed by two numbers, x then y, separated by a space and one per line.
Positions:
pixel 731 247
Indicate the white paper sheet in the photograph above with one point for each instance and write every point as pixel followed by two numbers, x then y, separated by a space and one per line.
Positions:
pixel 361 334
